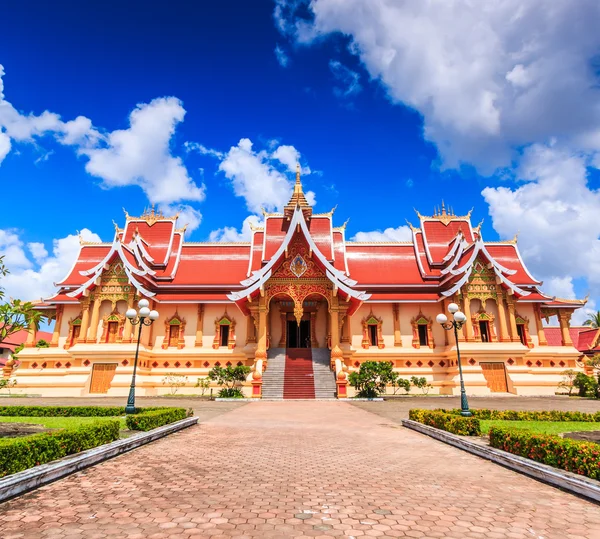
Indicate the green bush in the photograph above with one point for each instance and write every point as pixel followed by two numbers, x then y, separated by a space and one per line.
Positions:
pixel 153 419
pixel 516 415
pixel 587 385
pixel 372 378
pixel 464 426
pixel 18 454
pixel 63 411
pixel 582 458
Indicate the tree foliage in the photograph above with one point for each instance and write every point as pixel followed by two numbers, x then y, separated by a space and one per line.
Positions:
pixel 372 378
pixel 229 378
pixel 593 320
pixel 15 315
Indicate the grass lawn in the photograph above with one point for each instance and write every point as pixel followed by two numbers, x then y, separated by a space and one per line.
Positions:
pixel 58 422
pixel 541 427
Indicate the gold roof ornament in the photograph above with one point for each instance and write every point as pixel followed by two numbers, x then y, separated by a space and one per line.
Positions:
pixel 297 198
pixel 444 215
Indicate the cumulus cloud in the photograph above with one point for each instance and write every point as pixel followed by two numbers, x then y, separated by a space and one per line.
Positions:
pixel 139 155
pixel 257 176
pixel 486 76
pixel 348 80
pixel 34 279
pixel 231 234
pixel 281 56
pixel 402 233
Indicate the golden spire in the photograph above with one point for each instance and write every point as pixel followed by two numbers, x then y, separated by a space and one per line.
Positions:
pixel 298 198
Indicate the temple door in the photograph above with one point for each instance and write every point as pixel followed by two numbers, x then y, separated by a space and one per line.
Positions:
pixel 102 375
pixel 173 335
pixel 495 375
pixel 113 330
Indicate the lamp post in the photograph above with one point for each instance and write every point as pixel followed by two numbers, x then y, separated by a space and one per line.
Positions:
pixel 457 323
pixel 145 317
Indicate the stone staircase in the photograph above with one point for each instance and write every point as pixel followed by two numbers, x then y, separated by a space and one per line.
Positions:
pixel 272 387
pixel 325 387
pixel 301 373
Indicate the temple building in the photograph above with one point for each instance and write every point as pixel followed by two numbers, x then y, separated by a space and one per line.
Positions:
pixel 303 307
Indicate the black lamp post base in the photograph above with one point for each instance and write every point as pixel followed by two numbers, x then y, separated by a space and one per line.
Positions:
pixel 466 413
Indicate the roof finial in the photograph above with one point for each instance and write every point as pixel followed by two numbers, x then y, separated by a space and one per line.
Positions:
pixel 443 208
pixel 298 174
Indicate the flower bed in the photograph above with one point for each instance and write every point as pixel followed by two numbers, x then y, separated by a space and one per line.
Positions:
pixel 440 419
pixel 515 415
pixel 18 454
pixel 582 458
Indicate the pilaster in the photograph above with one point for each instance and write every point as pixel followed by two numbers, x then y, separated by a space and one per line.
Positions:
pixel 200 325
pixel 469 323
pixel 85 320
pixel 57 324
pixel 564 319
pixel 504 336
pixel 94 323
pixel 512 319
pixel 397 331
pixel 539 326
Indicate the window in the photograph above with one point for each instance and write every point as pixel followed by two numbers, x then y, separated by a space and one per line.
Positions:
pixel 373 335
pixel 224 335
pixel 423 339
pixel 521 333
pixel 75 333
pixel 173 334
pixel 113 330
pixel 484 330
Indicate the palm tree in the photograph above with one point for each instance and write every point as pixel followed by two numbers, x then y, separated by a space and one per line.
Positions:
pixel 593 319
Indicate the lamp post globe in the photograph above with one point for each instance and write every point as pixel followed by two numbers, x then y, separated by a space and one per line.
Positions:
pixel 452 308
pixel 441 318
pixel 143 317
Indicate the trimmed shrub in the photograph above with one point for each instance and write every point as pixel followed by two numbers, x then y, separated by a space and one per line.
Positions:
pixel 152 419
pixel 544 415
pixel 18 454
pixel 463 426
pixel 63 411
pixel 582 458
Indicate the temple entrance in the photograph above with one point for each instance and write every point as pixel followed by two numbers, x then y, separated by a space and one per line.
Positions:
pixel 298 336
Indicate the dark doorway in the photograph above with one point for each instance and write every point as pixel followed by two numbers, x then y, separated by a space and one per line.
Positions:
pixel 224 335
pixel 298 336
pixel 373 334
pixel 484 329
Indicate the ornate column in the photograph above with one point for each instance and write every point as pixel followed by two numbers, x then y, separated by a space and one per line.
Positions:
pixel 283 338
pixel 261 350
pixel 250 328
pixel 313 330
pixel 85 320
pixel 469 324
pixel 397 332
pixel 94 323
pixel 127 327
pixel 540 327
pixel 57 324
pixel 327 331
pixel 336 351
pixel 200 325
pixel 31 334
pixel 564 319
pixel 512 319
pixel 151 328
pixel 504 337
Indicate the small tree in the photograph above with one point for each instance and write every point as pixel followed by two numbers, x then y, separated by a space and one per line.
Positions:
pixel 229 378
pixel 203 384
pixel 7 383
pixel 42 344
pixel 421 383
pixel 587 385
pixel 567 382
pixel 174 381
pixel 372 378
pixel 400 383
pixel 15 315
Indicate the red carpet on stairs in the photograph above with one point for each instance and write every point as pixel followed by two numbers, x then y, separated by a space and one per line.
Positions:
pixel 298 380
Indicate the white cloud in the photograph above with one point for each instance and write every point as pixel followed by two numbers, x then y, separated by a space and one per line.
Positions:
pixel 230 234
pixel 29 281
pixel 11 248
pixel 486 76
pixel 141 155
pixel 38 251
pixel 348 79
pixel 256 176
pixel 188 216
pixel 402 233
pixel 281 56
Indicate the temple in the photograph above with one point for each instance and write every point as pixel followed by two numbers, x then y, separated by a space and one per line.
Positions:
pixel 303 307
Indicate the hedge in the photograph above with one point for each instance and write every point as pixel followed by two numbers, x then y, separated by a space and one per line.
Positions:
pixel 18 454
pixel 464 426
pixel 64 411
pixel 152 419
pixel 575 456
pixel 544 415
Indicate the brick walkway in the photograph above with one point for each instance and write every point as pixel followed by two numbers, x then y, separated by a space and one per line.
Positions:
pixel 297 469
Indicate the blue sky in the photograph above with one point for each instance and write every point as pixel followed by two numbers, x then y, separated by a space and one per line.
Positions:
pixel 390 108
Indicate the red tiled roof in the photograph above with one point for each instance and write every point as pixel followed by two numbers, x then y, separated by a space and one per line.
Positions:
pixel 19 337
pixel 438 236
pixel 554 335
pixel 320 231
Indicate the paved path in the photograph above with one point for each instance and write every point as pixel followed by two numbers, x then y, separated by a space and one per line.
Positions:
pixel 298 469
